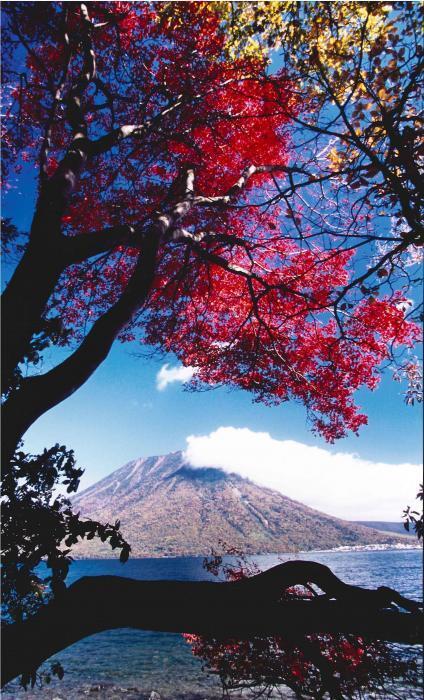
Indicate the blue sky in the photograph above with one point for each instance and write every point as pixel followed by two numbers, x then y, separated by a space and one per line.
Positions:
pixel 120 414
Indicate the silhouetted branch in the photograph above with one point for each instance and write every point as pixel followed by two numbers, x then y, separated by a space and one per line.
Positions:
pixel 240 609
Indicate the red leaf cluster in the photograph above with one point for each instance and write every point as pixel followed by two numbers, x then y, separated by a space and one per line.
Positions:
pixel 263 663
pixel 243 303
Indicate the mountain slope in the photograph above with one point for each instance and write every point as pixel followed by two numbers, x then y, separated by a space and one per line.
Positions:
pixel 396 528
pixel 168 508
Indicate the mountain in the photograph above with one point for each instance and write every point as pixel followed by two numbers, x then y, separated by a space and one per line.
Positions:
pixel 393 527
pixel 168 508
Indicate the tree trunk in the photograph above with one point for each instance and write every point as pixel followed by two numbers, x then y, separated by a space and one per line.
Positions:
pixel 227 610
pixel 24 301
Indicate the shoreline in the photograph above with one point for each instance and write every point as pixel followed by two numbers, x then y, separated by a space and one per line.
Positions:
pixel 383 547
pixel 105 691
pixel 372 548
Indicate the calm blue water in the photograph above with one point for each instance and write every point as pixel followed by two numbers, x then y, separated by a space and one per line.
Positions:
pixel 130 663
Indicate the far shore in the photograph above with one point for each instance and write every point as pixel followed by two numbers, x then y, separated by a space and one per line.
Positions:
pixel 397 546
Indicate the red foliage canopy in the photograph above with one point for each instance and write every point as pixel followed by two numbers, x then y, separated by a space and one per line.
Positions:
pixel 178 143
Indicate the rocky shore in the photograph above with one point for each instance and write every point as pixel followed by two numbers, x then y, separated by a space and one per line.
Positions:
pixel 111 691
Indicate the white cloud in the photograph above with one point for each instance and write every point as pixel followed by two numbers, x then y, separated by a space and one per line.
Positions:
pixel 169 375
pixel 341 484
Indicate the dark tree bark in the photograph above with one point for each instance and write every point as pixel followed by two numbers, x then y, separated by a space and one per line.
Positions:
pixel 24 301
pixel 241 609
pixel 38 394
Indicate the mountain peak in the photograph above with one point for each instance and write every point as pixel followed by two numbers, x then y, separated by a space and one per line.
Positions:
pixel 137 473
pixel 167 507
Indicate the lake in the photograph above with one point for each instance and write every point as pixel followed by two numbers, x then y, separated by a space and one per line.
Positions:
pixel 131 664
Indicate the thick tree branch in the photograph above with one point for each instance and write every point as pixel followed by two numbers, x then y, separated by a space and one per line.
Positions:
pixel 241 183
pixel 55 192
pixel 34 280
pixel 113 138
pixel 24 301
pixel 86 245
pixel 38 394
pixel 57 99
pixel 242 609
pixel 25 298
